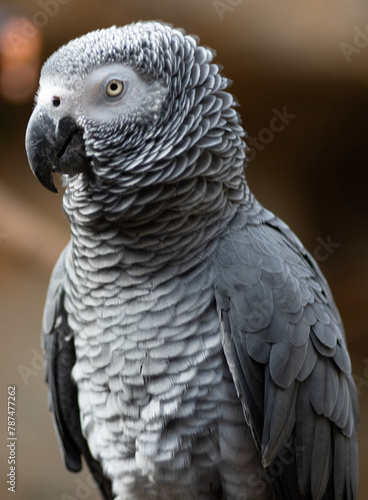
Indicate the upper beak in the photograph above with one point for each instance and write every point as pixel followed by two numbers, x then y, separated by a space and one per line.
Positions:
pixel 54 147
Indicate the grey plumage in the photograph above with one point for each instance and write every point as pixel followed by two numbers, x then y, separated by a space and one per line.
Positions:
pixel 193 348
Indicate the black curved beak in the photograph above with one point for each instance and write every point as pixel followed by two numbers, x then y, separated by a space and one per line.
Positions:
pixel 54 148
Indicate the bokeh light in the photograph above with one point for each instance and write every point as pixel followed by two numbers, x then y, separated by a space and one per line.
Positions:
pixel 20 49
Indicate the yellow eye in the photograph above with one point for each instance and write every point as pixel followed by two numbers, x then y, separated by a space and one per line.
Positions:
pixel 114 88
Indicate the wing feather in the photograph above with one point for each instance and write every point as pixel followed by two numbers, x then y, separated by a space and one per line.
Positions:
pixel 287 354
pixel 279 418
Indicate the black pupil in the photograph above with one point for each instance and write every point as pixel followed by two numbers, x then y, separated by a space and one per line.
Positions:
pixel 114 86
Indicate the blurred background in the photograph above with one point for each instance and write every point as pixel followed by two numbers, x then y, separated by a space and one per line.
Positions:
pixel 300 73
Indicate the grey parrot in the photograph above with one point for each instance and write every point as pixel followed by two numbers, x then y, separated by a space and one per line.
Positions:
pixel 193 349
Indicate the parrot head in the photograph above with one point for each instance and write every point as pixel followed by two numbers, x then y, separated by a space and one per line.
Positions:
pixel 126 108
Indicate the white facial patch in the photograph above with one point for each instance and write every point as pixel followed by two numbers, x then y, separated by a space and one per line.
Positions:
pixel 91 99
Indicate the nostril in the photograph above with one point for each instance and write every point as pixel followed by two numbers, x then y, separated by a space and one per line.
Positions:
pixel 56 101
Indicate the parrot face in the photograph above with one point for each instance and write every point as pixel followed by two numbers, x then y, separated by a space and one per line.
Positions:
pixel 70 111
pixel 191 342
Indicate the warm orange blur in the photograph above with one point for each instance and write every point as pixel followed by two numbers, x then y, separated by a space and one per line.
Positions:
pixel 20 52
